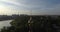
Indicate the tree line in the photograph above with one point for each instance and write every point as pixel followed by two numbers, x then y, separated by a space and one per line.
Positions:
pixel 40 24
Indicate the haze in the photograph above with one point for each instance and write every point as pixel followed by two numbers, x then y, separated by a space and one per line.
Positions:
pixel 34 7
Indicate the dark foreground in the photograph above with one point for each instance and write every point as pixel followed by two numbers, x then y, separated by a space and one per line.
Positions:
pixel 41 23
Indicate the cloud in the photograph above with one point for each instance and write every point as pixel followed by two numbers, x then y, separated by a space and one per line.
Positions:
pixel 11 2
pixel 38 7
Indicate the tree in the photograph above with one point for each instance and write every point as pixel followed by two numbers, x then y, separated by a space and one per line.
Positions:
pixel 20 24
pixel 40 24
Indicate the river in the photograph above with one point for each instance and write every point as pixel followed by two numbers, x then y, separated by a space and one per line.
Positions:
pixel 5 23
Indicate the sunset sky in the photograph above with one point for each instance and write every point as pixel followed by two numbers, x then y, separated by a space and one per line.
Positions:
pixel 34 7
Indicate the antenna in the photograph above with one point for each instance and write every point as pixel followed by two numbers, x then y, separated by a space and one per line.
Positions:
pixel 30 12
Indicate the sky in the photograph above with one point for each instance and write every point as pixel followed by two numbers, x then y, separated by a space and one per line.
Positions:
pixel 34 7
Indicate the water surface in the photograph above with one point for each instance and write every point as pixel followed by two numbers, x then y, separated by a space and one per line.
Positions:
pixel 5 23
